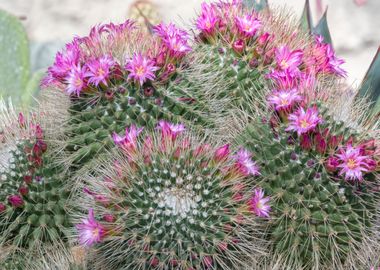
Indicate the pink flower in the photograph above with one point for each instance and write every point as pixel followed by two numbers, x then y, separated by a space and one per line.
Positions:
pixel 76 80
pixel 170 130
pixel 65 61
pixel 175 40
pixel 239 46
pixel 21 119
pixel 222 152
pixel 322 59
pixel 90 231
pixel 99 70
pixel 247 25
pixel 287 59
pixel 245 164
pixel 332 164
pixel 208 19
pixel 259 204
pixel 141 68
pixel 16 201
pixel 2 207
pixel 353 162
pixel 304 121
pixel 284 79
pixel 284 99
pixel 129 141
pixel 334 63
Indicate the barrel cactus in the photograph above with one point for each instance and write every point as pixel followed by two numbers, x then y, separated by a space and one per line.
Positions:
pixel 246 45
pixel 318 154
pixel 33 194
pixel 118 76
pixel 169 201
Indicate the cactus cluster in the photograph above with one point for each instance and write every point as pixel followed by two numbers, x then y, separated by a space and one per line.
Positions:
pixel 120 75
pixel 320 216
pixel 167 201
pixel 33 195
pixel 301 190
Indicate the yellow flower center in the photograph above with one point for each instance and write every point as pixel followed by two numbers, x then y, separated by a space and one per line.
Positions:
pixel 96 232
pixel 140 71
pixel 305 124
pixel 78 82
pixel 259 205
pixel 101 72
pixel 284 102
pixel 284 64
pixel 351 164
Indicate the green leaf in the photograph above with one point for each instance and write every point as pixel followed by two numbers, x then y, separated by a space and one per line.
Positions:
pixel 370 87
pixel 323 29
pixel 14 55
pixel 256 4
pixel 32 89
pixel 306 22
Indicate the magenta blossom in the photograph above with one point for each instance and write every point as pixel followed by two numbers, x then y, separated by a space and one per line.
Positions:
pixel 353 163
pixel 284 99
pixel 141 68
pixel 2 207
pixel 287 59
pixel 76 81
pixel 245 164
pixel 65 61
pixel 16 201
pixel 175 40
pixel 260 204
pixel 322 59
pixel 170 130
pixel 284 79
pixel 90 230
pixel 208 19
pixel 222 152
pixel 247 25
pixel 304 121
pixel 129 141
pixel 334 63
pixel 99 70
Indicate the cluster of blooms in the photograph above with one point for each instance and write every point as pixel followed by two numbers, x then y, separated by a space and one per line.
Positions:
pixel 221 18
pixel 33 150
pixel 87 63
pixel 341 156
pixel 92 231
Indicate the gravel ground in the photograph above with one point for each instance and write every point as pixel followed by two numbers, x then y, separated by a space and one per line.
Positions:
pixel 355 30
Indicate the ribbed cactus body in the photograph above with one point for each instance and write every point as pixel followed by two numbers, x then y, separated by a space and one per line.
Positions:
pixel 93 121
pixel 33 200
pixel 242 80
pixel 317 218
pixel 170 205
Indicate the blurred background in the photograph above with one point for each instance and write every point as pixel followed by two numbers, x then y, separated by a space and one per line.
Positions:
pixel 354 24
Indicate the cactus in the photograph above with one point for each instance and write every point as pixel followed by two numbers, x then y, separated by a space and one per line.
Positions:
pixel 33 197
pixel 167 201
pixel 319 161
pixel 117 76
pixel 246 45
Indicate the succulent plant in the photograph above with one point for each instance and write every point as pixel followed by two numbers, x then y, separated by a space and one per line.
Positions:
pixel 33 194
pixel 246 45
pixel 119 75
pixel 169 201
pixel 318 153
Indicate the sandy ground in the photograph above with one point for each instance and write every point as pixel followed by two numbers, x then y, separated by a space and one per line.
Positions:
pixel 355 30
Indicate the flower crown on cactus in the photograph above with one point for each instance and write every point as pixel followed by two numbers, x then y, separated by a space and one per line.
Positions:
pixel 167 200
